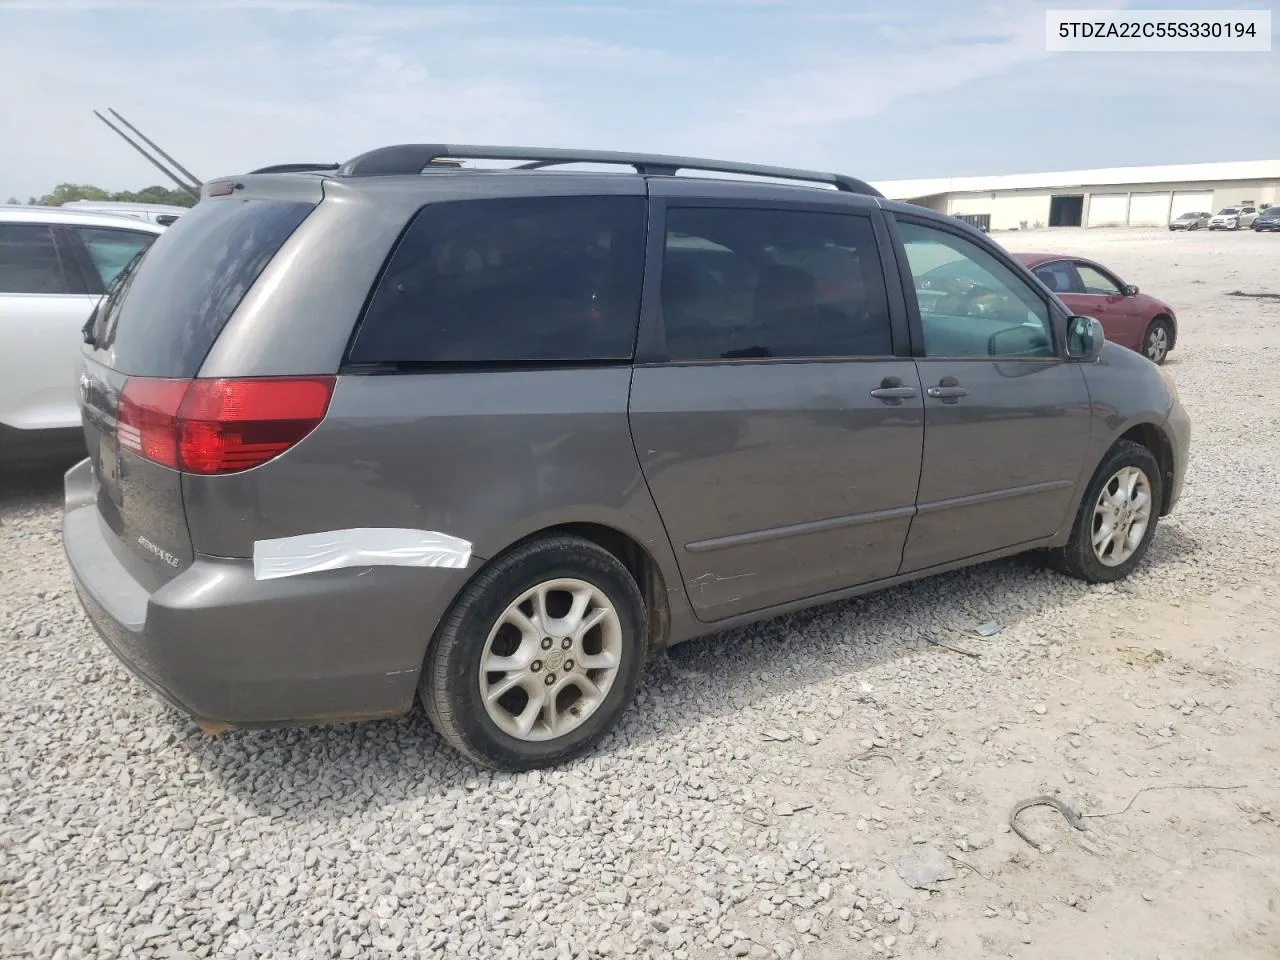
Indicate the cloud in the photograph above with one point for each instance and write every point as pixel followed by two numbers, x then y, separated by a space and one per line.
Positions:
pixel 169 6
pixel 798 82
pixel 909 57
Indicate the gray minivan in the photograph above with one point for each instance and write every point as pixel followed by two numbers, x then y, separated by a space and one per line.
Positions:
pixel 487 437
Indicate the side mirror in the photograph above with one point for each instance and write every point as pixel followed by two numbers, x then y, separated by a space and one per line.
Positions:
pixel 1085 338
pixel 1130 290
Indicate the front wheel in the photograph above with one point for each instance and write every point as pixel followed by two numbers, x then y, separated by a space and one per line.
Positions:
pixel 1117 517
pixel 539 656
pixel 1157 340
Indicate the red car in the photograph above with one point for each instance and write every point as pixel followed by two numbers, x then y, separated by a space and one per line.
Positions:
pixel 1132 319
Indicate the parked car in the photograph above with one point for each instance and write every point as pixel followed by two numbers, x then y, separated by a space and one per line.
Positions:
pixel 542 423
pixel 161 214
pixel 1233 218
pixel 1189 221
pixel 1268 219
pixel 1131 318
pixel 54 266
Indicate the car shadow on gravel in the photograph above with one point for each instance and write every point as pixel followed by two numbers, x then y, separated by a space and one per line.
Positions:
pixel 736 669
pixel 325 774
pixel 31 485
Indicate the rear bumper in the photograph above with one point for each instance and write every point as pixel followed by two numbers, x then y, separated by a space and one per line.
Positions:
pixel 225 648
pixel 1178 429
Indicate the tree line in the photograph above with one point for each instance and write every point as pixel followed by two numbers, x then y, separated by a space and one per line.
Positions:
pixel 66 192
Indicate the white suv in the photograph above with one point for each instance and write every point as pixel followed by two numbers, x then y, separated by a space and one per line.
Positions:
pixel 1234 218
pixel 54 266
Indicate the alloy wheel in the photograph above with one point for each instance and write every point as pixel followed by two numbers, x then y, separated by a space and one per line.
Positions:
pixel 550 659
pixel 1121 516
pixel 1157 344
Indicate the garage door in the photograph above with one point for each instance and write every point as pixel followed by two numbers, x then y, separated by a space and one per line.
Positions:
pixel 1108 209
pixel 1149 209
pixel 1192 201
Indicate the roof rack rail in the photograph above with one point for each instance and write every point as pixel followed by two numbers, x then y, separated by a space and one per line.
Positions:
pixel 295 168
pixel 413 158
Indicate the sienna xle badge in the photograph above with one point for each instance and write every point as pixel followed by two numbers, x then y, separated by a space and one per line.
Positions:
pixel 406 428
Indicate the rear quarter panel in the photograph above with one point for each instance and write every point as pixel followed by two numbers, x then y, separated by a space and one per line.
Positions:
pixel 490 457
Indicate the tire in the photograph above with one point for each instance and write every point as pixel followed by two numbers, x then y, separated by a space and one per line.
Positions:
pixel 1078 558
pixel 451 683
pixel 1157 341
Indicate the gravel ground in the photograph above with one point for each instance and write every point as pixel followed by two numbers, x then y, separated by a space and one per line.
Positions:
pixel 770 787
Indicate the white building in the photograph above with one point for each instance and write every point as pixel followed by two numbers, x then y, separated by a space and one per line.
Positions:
pixel 1115 196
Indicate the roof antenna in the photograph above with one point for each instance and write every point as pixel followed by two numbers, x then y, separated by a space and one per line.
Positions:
pixel 156 147
pixel 191 186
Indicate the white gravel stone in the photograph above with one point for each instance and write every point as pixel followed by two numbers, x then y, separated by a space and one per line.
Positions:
pixel 146 882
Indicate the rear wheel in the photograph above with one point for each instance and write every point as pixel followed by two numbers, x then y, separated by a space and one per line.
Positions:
pixel 538 657
pixel 1157 340
pixel 1117 517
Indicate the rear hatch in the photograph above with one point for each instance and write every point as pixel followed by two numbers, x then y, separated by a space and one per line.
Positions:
pixel 146 418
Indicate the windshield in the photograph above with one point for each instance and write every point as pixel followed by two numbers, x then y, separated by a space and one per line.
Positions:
pixel 1226 211
pixel 1189 216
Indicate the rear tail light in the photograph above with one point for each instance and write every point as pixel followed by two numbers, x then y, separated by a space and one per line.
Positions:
pixel 219 426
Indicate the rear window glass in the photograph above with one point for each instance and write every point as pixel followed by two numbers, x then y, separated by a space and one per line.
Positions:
pixel 167 310
pixel 533 279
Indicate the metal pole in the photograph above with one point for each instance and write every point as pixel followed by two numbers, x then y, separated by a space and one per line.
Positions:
pixel 193 191
pixel 154 146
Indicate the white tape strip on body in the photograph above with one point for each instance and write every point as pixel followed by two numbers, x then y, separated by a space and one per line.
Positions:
pixel 357 547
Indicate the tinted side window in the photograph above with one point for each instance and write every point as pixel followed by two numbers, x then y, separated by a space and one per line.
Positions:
pixel 1059 277
pixel 165 314
pixel 29 260
pixel 509 281
pixel 111 250
pixel 971 304
pixel 772 283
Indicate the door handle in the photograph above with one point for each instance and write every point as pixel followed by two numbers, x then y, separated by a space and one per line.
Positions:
pixel 892 391
pixel 948 390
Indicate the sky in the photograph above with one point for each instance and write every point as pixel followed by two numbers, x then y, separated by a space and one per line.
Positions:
pixel 879 89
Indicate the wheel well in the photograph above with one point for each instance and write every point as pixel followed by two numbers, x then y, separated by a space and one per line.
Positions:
pixel 639 563
pixel 1173 327
pixel 1153 438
